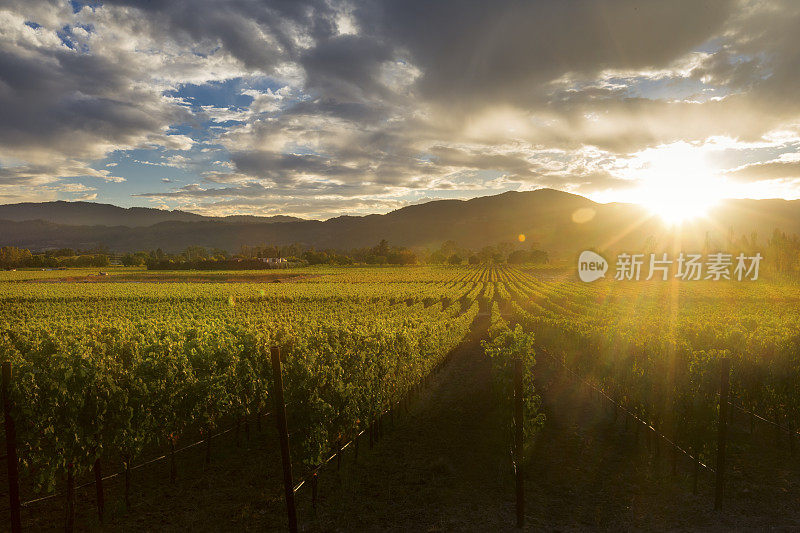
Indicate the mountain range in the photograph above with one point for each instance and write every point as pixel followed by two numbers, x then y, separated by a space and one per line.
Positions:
pixel 556 221
pixel 95 214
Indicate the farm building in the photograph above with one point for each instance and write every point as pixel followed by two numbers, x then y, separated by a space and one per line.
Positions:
pixel 273 260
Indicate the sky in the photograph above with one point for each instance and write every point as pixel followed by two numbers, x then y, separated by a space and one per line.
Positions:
pixel 317 108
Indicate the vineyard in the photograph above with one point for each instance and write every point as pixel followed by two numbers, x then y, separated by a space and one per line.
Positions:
pixel 134 365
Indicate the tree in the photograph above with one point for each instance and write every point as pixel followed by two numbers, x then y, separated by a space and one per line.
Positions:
pixel 437 257
pixel 539 256
pixel 518 257
pixel 525 256
pixel 454 259
pixel 490 254
pixel 62 252
pixel 449 248
pixel 382 248
pixel 11 256
pixel 400 256
pixel 504 249
pixel 193 253
pixel 315 258
pixel 137 259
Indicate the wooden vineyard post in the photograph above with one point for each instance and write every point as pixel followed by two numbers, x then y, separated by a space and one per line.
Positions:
pixel 127 465
pixel 722 430
pixel 518 436
pixel 655 440
pixel 371 435
pixel 777 424
pixel 11 451
pixel 173 467
pixel 283 435
pixel 69 526
pixel 208 446
pixel 98 485
pixel 696 468
pixel 314 489
pixel 731 410
pixel 674 459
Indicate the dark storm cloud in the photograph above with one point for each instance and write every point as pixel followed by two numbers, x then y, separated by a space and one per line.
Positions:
pixel 506 49
pixel 58 101
pixel 260 34
pixel 467 51
pixel 517 164
pixel 349 168
pixel 283 168
pixel 346 67
pixel 352 111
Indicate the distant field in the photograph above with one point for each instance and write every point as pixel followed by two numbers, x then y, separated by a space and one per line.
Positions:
pixel 170 277
pixel 139 274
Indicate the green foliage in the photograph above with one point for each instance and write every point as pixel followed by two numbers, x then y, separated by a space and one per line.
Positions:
pixel 504 347
pixel 119 370
pixel 656 347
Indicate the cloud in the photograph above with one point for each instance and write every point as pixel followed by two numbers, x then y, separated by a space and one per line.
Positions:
pixel 509 51
pixel 369 102
pixel 62 106
pixel 787 166
pixel 37 174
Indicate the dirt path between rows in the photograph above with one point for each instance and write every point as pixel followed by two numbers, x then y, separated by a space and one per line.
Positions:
pixel 442 467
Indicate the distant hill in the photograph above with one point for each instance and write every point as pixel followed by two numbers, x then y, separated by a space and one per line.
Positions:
pixel 94 214
pixel 556 221
pixel 251 219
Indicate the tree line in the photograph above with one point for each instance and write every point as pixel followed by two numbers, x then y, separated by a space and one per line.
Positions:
pixel 251 257
pixel 12 257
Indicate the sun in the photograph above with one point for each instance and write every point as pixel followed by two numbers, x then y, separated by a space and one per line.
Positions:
pixel 676 183
pixel 677 206
pixel 678 213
